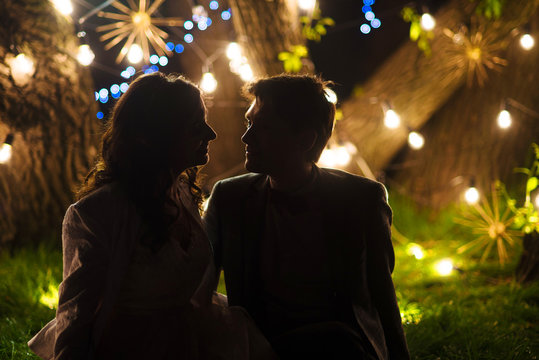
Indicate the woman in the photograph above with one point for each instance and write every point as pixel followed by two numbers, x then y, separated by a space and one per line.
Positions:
pixel 138 274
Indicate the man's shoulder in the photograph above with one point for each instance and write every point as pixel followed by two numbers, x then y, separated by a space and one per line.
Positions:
pixel 239 183
pixel 346 180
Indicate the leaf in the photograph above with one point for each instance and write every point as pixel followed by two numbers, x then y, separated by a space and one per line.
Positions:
pixel 407 14
pixel 415 31
pixel 531 184
pixel 300 50
pixel 320 29
pixel 283 56
pixel 327 21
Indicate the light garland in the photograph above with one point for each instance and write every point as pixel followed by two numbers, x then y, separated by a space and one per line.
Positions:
pixel 374 22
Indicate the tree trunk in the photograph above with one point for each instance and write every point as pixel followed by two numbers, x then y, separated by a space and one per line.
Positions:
pixel 415 85
pixel 52 116
pixel 463 142
pixel 528 266
pixel 264 29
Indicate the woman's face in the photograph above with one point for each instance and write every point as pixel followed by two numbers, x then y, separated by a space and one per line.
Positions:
pixel 191 145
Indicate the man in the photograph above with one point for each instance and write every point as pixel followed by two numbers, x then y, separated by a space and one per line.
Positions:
pixel 306 250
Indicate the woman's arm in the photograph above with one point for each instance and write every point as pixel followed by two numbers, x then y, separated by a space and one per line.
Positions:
pixel 86 259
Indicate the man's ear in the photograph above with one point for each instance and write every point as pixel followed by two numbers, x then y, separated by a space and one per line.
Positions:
pixel 307 139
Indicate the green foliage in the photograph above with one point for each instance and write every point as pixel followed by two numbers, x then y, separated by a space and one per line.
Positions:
pixel 315 27
pixel 526 216
pixel 491 9
pixel 25 278
pixel 292 60
pixel 422 37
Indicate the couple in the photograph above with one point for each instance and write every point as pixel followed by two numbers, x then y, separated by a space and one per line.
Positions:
pixel 306 252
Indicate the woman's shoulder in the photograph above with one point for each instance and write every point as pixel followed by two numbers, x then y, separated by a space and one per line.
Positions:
pixel 107 200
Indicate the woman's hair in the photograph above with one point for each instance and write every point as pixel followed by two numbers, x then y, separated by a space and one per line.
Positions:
pixel 136 146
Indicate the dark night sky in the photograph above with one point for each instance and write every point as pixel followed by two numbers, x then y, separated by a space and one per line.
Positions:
pixel 344 55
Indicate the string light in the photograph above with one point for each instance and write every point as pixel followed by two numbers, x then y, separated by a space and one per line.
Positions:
pixel 233 51
pixel 427 22
pixel 22 68
pixel 307 5
pixel 5 150
pixel 415 250
pixel 135 54
pixel 208 83
pixel 444 267
pixel 416 140
pixel 391 119
pixel 471 195
pixel 85 56
pixel 527 41
pixel 246 73
pixel 64 7
pixel 504 119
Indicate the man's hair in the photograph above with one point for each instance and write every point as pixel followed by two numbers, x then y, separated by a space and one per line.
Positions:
pixel 301 101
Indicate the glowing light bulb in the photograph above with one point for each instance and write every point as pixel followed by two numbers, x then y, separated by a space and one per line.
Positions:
pixel 444 267
pixel 427 22
pixel 64 7
pixel 416 140
pixel 416 251
pixel 85 55
pixel 135 54
pixel 527 41
pixel 5 153
pixel 22 68
pixel 307 5
pixel 246 73
pixel 331 96
pixel 233 51
pixel 328 158
pixel 208 83
pixel 471 195
pixel 342 156
pixel 504 119
pixel 392 120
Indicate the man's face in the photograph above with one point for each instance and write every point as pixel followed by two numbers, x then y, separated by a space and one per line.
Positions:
pixel 271 145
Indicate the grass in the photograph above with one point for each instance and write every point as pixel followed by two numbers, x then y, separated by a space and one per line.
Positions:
pixel 477 312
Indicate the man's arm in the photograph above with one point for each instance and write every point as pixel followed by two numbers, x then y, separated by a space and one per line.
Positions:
pixel 380 264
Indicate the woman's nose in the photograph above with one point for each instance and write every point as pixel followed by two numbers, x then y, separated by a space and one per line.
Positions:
pixel 211 133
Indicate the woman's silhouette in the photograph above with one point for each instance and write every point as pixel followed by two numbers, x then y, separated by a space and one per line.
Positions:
pixel 138 274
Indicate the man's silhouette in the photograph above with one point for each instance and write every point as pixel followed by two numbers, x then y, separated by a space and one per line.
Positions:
pixel 306 250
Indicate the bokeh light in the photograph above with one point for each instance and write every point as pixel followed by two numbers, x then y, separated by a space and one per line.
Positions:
pixel 365 28
pixel 416 140
pixel 527 41
pixel 444 267
pixel 504 119
pixel 391 119
pixel 471 195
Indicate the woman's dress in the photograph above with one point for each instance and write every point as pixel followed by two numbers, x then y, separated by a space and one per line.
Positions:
pixel 162 307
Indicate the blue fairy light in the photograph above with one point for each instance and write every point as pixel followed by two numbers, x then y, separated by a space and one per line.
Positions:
pixel 368 2
pixel 225 15
pixel 365 29
pixel 202 24
pixel 123 87
pixel 100 115
pixel 125 74
pixel 145 67
pixel 154 68
pixel 104 100
pixel 375 23
pixel 188 25
pixel 366 9
pixel 115 89
pixel 96 94
pixel 188 38
pixel 130 70
pixel 214 5
pixel 208 21
pixel 163 61
pixel 154 59
pixel 103 93
pixel 179 48
pixel 169 46
pixel 369 15
pixel 116 95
